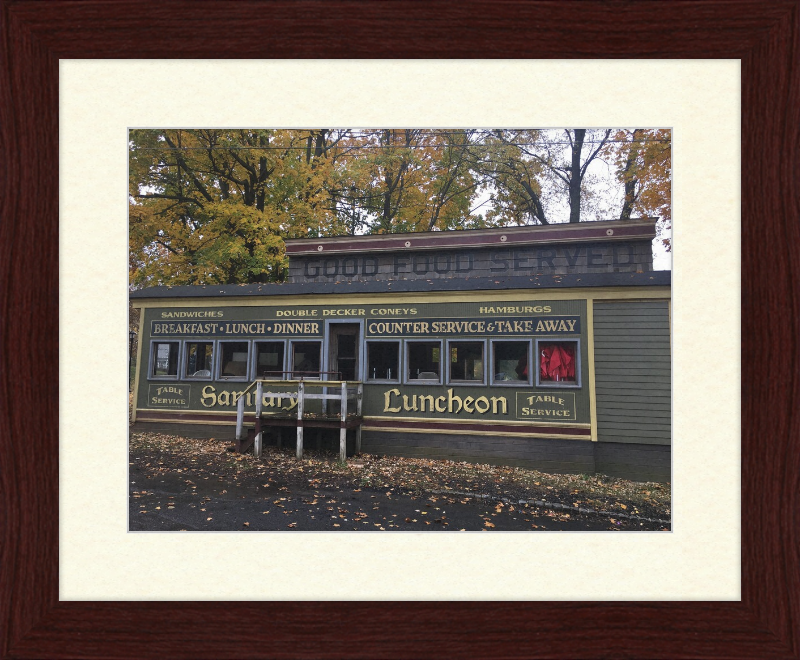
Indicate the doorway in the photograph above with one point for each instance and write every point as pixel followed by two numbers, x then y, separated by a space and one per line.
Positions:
pixel 344 350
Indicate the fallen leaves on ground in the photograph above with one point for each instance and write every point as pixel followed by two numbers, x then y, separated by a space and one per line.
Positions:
pixel 213 459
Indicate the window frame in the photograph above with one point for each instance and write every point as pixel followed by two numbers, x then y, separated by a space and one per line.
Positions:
pixel 421 381
pixel 562 384
pixel 232 379
pixel 184 357
pixel 510 383
pixel 466 383
pixel 151 365
pixel 400 363
pixel 290 357
pixel 254 359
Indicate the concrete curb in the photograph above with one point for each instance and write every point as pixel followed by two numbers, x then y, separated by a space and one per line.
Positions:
pixel 556 506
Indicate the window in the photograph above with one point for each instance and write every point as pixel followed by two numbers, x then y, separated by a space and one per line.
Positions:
pixel 165 359
pixel 423 360
pixel 233 360
pixel 558 363
pixel 510 361
pixel 198 356
pixel 466 361
pixel 269 359
pixel 383 360
pixel 306 359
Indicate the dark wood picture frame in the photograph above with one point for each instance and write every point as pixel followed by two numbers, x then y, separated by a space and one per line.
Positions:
pixel 764 35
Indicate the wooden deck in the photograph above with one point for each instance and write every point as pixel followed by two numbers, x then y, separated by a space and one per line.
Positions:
pixel 343 420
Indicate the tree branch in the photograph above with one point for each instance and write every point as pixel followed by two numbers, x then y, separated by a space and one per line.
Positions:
pixel 188 169
pixel 596 151
pixel 178 198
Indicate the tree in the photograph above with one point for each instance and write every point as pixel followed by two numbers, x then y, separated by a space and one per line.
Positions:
pixel 570 167
pixel 452 182
pixel 527 166
pixel 513 174
pixel 412 180
pixel 643 159
pixel 213 206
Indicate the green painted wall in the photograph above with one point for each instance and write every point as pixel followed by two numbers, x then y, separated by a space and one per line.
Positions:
pixel 523 319
pixel 633 375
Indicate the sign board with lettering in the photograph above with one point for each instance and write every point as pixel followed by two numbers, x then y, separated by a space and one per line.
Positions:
pixel 491 262
pixel 237 329
pixel 478 327
pixel 546 406
pixel 554 249
pixel 168 395
pixel 476 316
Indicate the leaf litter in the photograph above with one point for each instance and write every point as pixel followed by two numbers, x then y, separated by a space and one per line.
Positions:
pixel 389 474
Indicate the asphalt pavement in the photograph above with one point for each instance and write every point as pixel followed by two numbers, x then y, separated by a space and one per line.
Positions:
pixel 181 499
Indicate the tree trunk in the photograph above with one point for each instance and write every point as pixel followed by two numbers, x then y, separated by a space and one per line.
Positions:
pixel 629 175
pixel 535 204
pixel 576 177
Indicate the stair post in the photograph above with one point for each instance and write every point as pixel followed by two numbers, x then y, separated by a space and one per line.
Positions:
pixel 300 397
pixel 258 444
pixel 359 398
pixel 239 423
pixel 343 429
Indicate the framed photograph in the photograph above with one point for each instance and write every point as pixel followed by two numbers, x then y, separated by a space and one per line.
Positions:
pixel 35 406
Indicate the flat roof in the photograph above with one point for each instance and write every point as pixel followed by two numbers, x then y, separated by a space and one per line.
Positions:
pixel 532 282
pixel 618 230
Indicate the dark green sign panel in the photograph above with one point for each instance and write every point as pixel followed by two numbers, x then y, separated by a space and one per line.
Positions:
pixel 539 325
pixel 236 329
pixel 546 406
pixel 168 396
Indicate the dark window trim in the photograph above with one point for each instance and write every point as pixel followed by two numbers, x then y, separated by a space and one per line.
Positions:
pixel 232 379
pixel 151 363
pixel 185 356
pixel 378 381
pixel 467 383
pixel 290 358
pixel 254 359
pixel 510 383
pixel 421 381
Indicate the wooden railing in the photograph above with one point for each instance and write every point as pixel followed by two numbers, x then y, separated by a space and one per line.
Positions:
pixel 345 390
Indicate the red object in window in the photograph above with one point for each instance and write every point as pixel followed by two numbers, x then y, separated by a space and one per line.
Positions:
pixel 557 362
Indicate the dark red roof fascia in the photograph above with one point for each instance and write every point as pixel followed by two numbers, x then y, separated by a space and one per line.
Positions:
pixel 510 236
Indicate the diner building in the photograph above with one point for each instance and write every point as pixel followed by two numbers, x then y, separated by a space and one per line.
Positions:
pixel 540 346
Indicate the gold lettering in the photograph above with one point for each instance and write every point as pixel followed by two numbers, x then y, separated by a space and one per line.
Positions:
pixel 224 398
pixel 422 399
pixel 413 403
pixel 468 404
pixel 495 401
pixel 482 402
pixel 208 395
pixel 451 399
pixel 387 400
